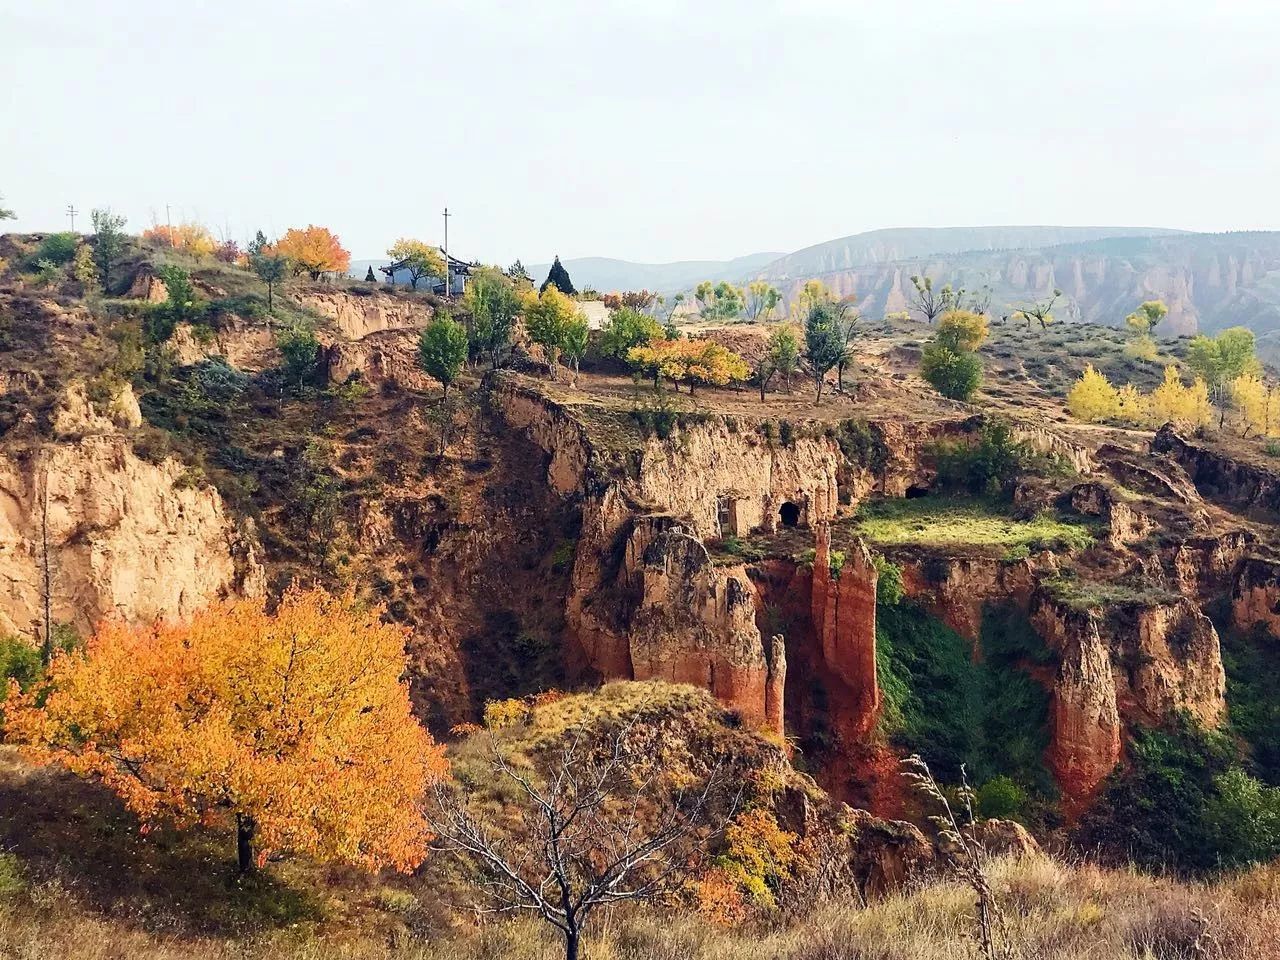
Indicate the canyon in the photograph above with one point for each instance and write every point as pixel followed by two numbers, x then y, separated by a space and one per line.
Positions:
pixel 563 540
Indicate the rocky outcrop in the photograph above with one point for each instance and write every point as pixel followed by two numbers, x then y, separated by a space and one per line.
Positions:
pixel 695 622
pixel 147 286
pixel 1005 838
pixel 1125 524
pixel 1255 601
pixel 957 588
pixel 1173 662
pixel 390 356
pixel 1219 477
pixel 844 618
pixel 126 537
pixel 358 312
pixel 1137 663
pixel 244 345
pixel 1084 714
pixel 885 854
pixel 76 415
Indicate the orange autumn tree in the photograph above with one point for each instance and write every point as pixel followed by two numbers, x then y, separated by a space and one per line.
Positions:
pixel 314 250
pixel 296 723
pixel 190 238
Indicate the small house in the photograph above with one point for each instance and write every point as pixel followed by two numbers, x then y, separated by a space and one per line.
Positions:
pixel 459 270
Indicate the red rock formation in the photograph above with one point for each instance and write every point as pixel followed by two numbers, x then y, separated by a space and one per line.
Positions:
pixel 1084 716
pixel 844 619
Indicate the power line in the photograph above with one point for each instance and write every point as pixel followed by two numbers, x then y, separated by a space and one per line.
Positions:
pixel 71 212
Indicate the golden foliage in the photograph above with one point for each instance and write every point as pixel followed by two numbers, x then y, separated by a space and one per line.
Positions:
pixel 691 361
pixel 190 238
pixel 1093 398
pixel 1175 402
pixel 314 250
pixel 1132 406
pixel 505 713
pixel 1257 404
pixel 811 294
pixel 299 719
pixel 962 330
pixel 759 857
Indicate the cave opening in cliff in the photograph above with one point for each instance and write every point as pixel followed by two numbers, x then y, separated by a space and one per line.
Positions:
pixel 915 492
pixel 789 514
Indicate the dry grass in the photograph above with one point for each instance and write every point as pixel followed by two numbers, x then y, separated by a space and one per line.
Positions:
pixel 1053 912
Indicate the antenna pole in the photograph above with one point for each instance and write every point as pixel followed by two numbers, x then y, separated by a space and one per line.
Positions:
pixel 448 285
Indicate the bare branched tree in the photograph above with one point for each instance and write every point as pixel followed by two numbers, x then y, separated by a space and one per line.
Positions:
pixel 1040 310
pixel 957 830
pixel 925 299
pixel 599 828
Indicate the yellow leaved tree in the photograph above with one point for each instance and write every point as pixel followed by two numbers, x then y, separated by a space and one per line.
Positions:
pixel 691 362
pixel 1175 402
pixel 296 723
pixel 1257 404
pixel 1093 398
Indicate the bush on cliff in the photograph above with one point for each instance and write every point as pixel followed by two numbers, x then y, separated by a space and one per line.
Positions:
pixel 1182 801
pixel 989 715
pixel 1252 662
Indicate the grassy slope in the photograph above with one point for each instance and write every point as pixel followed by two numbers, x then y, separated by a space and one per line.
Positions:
pixel 945 522
pixel 1052 911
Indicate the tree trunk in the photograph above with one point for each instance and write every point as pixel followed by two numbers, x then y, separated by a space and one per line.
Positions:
pixel 571 943
pixel 840 378
pixel 46 573
pixel 762 390
pixel 819 397
pixel 245 829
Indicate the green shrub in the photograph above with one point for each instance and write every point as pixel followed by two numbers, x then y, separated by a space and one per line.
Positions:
pixel 889 588
pixel 861 445
pixel 835 563
pixel 991 464
pixel 563 555
pixel 1182 801
pixel 19 660
pixel 58 248
pixel 985 713
pixel 1001 798
pixel 786 433
pixel 12 879
pixel 1252 664
pixel 955 374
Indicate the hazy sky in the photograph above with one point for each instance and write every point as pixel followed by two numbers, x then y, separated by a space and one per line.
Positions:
pixel 648 131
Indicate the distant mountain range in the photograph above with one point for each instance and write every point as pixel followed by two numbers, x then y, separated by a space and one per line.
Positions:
pixel 1209 281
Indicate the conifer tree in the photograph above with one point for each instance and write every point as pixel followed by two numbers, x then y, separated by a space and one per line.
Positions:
pixel 558 277
pixel 369 277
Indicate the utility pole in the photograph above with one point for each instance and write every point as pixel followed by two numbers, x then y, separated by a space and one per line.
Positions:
pixel 168 224
pixel 448 273
pixel 71 212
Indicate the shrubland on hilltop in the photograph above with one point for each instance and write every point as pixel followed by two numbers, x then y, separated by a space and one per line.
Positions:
pixel 702 585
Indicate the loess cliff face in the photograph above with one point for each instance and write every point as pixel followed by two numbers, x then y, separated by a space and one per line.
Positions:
pixel 646 599
pixel 124 538
pixel 356 314
pixel 559 542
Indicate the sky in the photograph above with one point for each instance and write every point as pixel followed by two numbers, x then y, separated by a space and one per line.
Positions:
pixel 651 131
